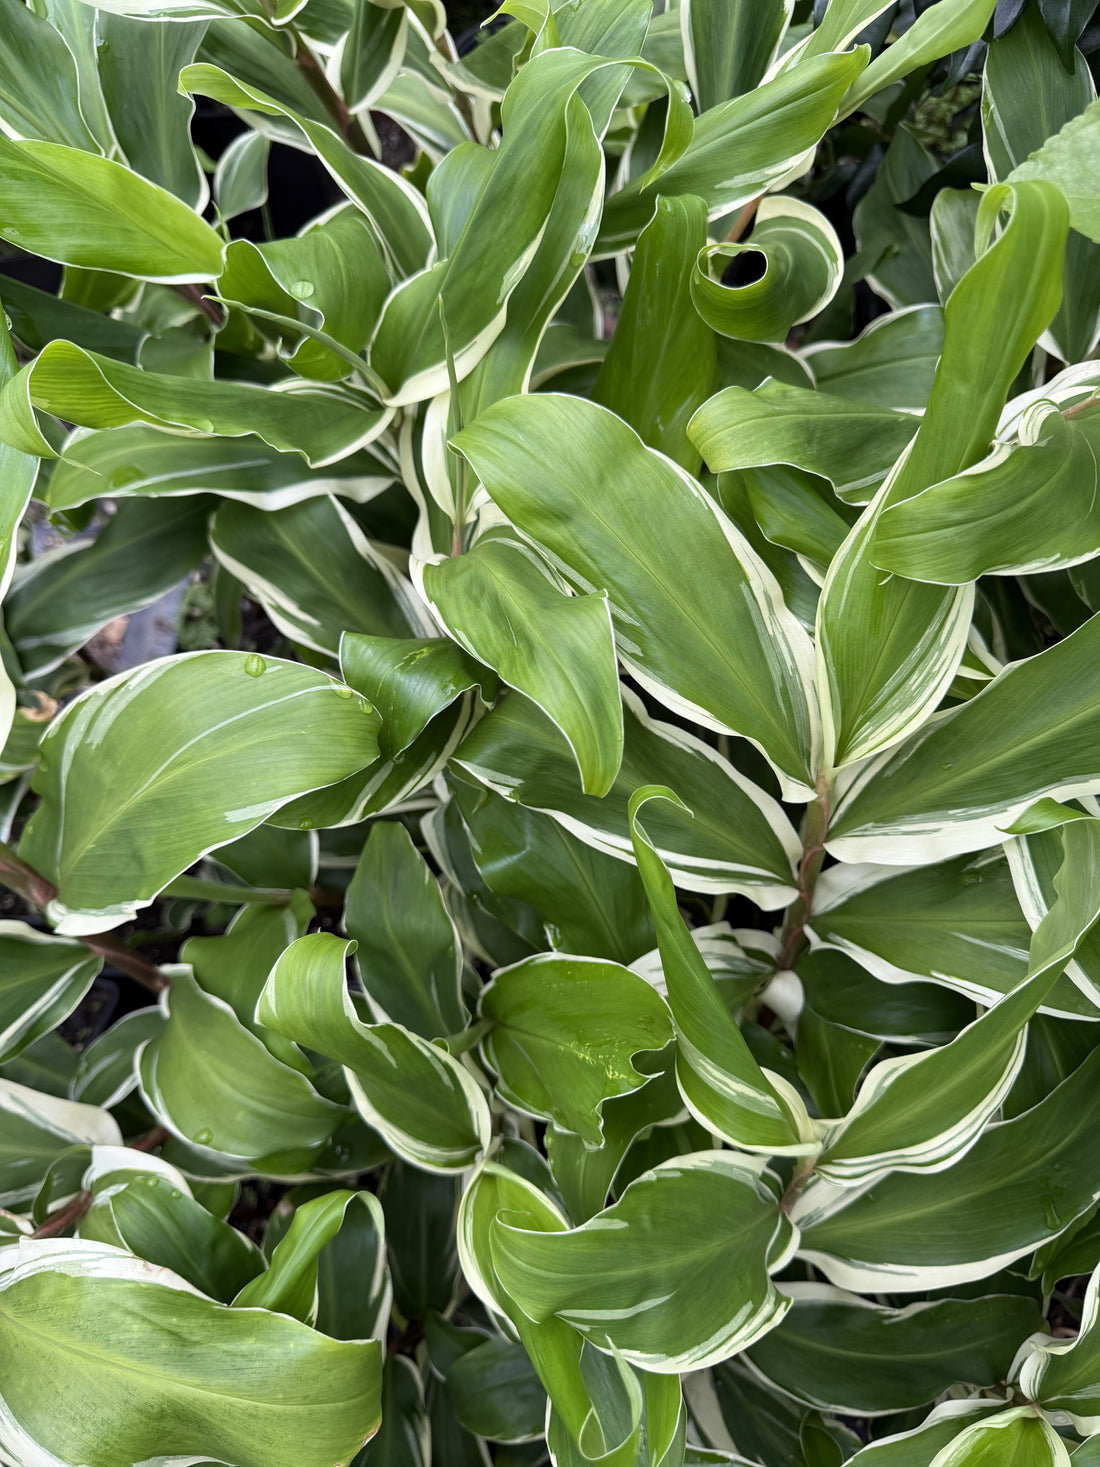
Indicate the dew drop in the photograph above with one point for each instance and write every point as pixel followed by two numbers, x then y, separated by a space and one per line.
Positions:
pixel 305 823
pixel 175 1194
pixel 202 425
pixel 342 692
pixel 302 289
pixel 204 1137
pixel 254 664
pixel 949 765
pixel 364 706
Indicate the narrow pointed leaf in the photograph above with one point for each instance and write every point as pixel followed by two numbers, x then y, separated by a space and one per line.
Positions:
pixel 423 1102
pixel 580 483
pixel 503 608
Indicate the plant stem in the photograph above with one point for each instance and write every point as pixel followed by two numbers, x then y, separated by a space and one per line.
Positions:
pixel 809 868
pixel 743 220
pixel 193 293
pixel 37 892
pixel 71 1213
pixel 334 104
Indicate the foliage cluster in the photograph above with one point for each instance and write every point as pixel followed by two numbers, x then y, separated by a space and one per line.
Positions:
pixel 590 955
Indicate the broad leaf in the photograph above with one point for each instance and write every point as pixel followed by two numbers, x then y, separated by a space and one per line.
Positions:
pixel 564 1032
pixel 1068 160
pixel 37 1129
pixel 127 1349
pixel 81 209
pixel 211 744
pixel 503 607
pixel 42 979
pixel 704 1229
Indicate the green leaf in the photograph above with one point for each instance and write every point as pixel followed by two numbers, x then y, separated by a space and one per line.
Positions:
pixel 394 209
pixel 139 65
pixel 314 571
pixel 706 1229
pixel 127 1349
pixel 38 317
pixel 940 29
pixel 956 784
pixel 564 1032
pixel 42 979
pixel 768 132
pixel 143 461
pixel 852 444
pixel 919 1447
pixel 894 1124
pixel 408 953
pixel 888 649
pixel 409 681
pixel 81 209
pixel 892 364
pixel 736 839
pixel 38 82
pixel 803 262
pixel 1022 1183
pixel 1022 1435
pixel 427 1107
pixel 211 744
pixel 404 1438
pixel 728 48
pixel 106 1073
pixel 37 1129
pixel 240 179
pixel 721 1082
pixel 496 1393
pixel 932 922
pixel 841 1353
pixel 290 1284
pixel 216 1086
pixel 18 472
pixel 321 423
pixel 662 362
pixel 549 461
pixel 65 596
pixel 373 51
pixel 464 296
pixel 1027 507
pixel 589 902
pixel 1062 1374
pixel 146 1207
pixel 504 607
pixel 1068 160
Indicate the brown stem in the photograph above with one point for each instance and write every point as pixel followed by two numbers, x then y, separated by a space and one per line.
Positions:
pixel 37 892
pixel 151 1140
pixel 809 869
pixel 193 293
pixel 743 220
pixel 113 950
pixel 334 104
pixel 1077 408
pixel 71 1213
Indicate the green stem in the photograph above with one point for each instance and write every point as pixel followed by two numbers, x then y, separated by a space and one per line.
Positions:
pixel 194 888
pixel 466 1038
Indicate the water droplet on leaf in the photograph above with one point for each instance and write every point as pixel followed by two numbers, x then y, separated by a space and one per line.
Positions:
pixel 204 1137
pixel 342 692
pixel 254 664
pixel 302 289
pixel 305 823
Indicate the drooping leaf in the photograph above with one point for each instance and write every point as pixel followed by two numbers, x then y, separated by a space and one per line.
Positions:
pixel 321 423
pixel 502 607
pixel 42 979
